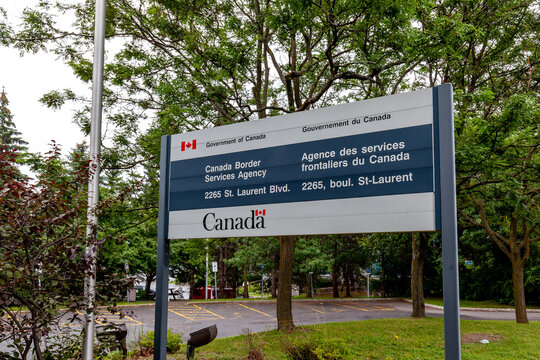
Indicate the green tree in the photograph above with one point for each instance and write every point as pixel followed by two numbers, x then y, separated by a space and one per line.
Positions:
pixel 10 137
pixel 194 64
pixel 502 189
pixel 208 63
pixel 42 262
pixel 488 50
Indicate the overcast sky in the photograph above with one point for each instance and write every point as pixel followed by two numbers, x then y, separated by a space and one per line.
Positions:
pixel 26 79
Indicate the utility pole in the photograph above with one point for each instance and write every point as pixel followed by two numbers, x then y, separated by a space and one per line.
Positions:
pixel 93 182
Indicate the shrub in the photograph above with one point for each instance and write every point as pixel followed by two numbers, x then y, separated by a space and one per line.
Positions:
pixel 145 343
pixel 254 350
pixel 332 349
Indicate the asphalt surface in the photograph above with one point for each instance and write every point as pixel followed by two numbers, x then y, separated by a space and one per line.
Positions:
pixel 236 317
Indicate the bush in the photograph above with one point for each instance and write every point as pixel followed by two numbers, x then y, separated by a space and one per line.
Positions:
pixel 145 343
pixel 332 349
pixel 255 350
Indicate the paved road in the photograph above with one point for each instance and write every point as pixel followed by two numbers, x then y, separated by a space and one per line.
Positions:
pixel 233 318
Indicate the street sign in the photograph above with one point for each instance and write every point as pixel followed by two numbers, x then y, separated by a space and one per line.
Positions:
pixel 366 167
pixel 214 266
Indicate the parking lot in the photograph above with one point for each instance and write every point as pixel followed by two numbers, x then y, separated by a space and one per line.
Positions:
pixel 236 317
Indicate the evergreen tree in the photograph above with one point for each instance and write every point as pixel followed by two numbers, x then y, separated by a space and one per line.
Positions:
pixel 10 137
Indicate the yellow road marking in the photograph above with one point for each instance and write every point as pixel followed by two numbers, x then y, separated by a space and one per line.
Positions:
pixel 208 311
pixel 380 308
pixel 260 312
pixel 322 312
pixel 352 307
pixel 181 315
pixel 111 320
pixel 95 319
pixel 135 321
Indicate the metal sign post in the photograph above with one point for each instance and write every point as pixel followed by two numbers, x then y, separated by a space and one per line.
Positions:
pixel 215 270
pixel 443 99
pixel 163 248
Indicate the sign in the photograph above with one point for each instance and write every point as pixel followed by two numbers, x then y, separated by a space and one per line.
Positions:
pixel 379 165
pixel 214 266
pixel 363 167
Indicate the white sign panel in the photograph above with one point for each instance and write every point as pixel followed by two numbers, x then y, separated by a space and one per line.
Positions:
pixel 214 266
pixel 362 167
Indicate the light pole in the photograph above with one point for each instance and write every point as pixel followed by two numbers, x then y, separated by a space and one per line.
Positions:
pixel 93 181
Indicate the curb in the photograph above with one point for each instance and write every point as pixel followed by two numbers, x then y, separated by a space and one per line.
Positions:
pixel 476 309
pixel 293 300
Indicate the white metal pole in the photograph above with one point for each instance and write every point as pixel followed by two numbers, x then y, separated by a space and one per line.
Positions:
pixel 93 182
pixel 127 276
pixel 215 277
pixel 206 284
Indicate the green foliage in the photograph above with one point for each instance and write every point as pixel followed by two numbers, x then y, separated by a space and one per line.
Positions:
pixel 404 338
pixel 187 65
pixel 63 345
pixel 42 237
pixel 42 252
pixel 322 349
pixel 145 342
pixel 10 137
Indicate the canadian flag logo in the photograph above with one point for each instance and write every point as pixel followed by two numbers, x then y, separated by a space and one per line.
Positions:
pixel 260 212
pixel 188 145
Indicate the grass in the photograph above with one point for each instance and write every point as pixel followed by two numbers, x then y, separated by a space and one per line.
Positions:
pixel 483 304
pixel 389 339
pixel 138 302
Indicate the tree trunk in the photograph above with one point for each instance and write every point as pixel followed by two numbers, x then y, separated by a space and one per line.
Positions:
pixel 308 285
pixel 246 286
pixel 147 285
pixel 518 286
pixel 235 281
pixel 222 271
pixel 347 280
pixel 335 275
pixel 36 337
pixel 419 246
pixel 351 280
pixel 192 284
pixel 273 280
pixel 383 276
pixel 284 304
